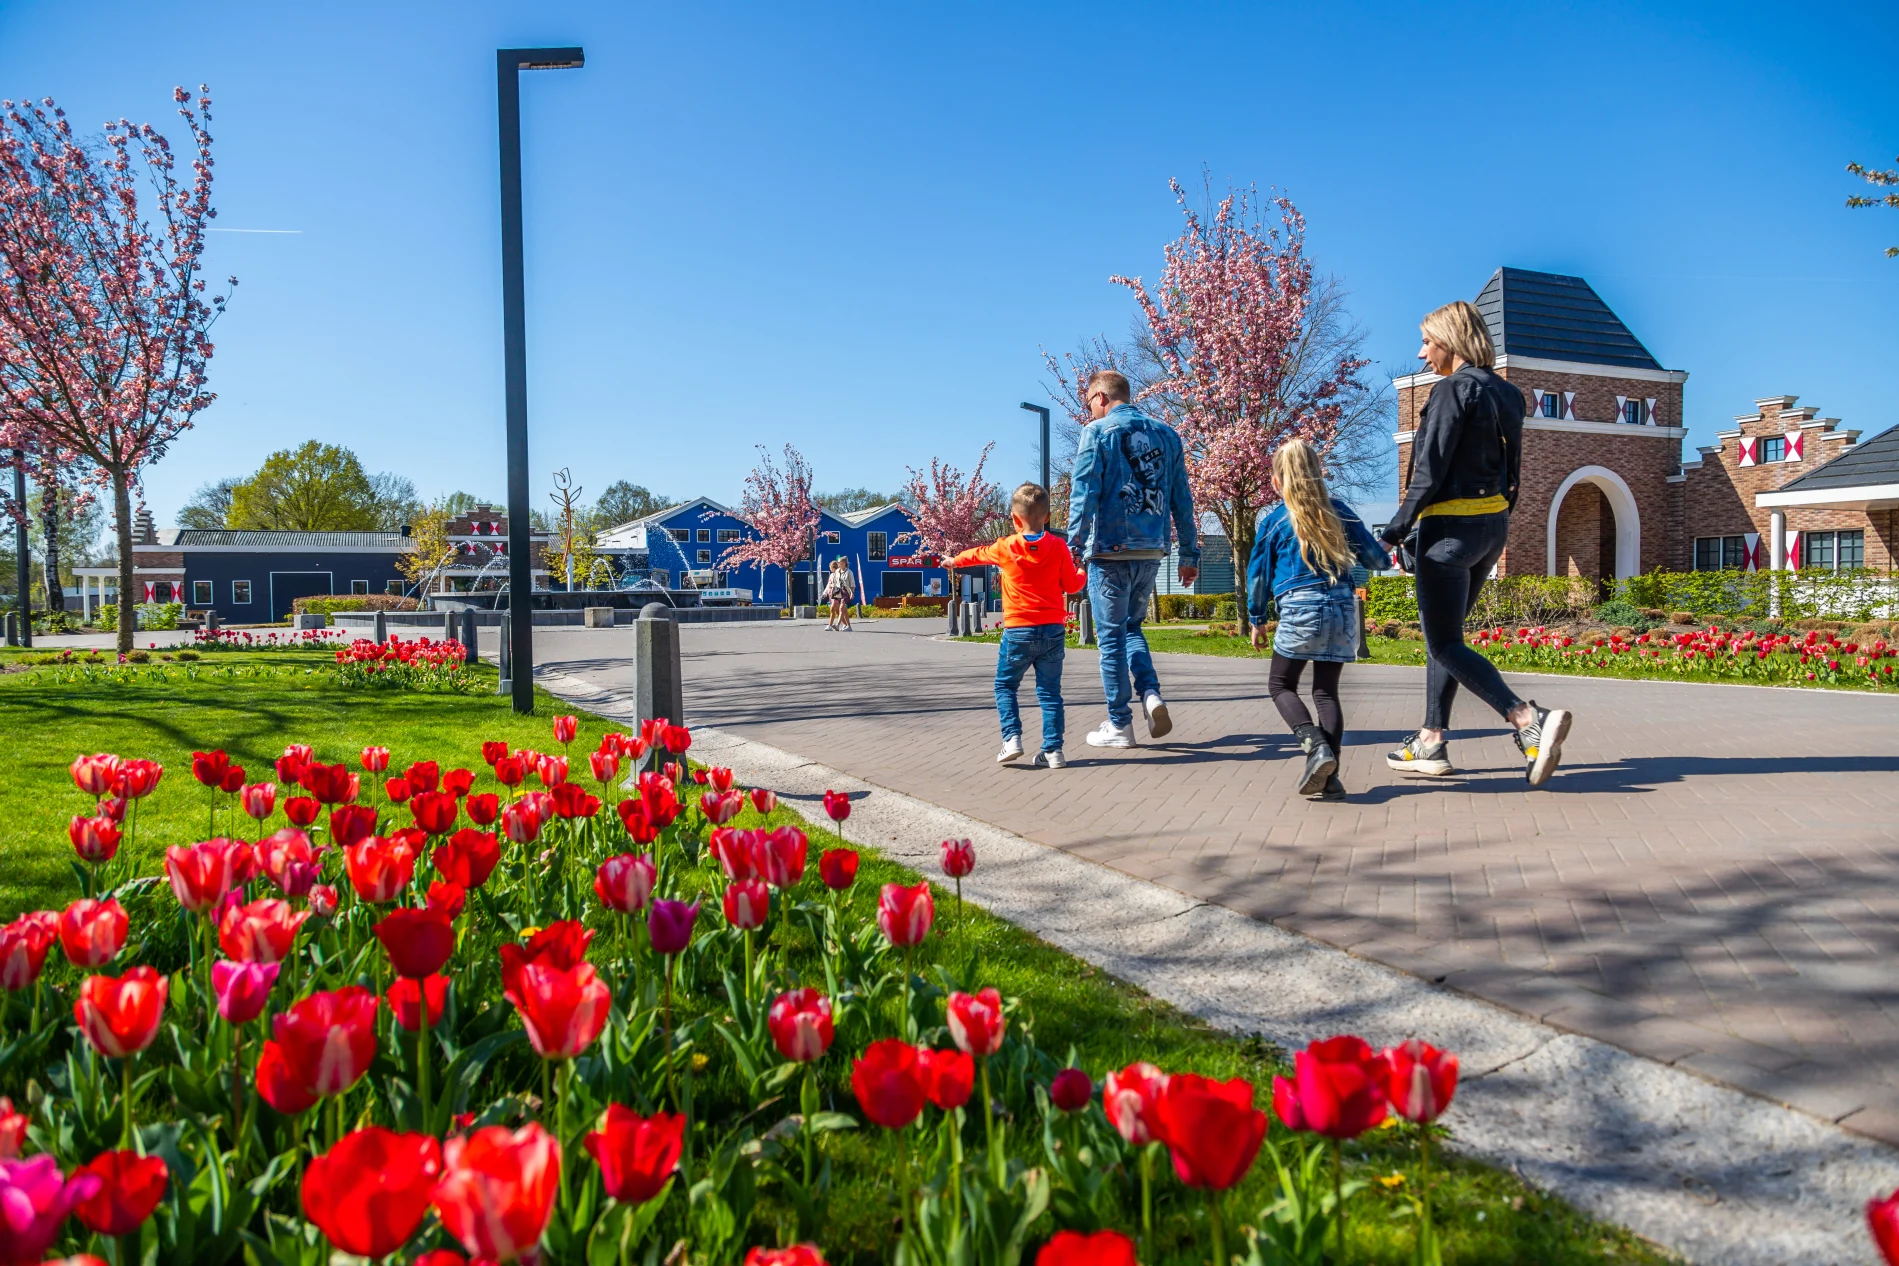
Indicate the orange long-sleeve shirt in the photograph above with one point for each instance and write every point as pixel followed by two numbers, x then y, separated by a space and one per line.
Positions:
pixel 1036 575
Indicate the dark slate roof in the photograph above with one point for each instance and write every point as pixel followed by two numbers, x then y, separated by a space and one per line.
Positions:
pixel 1553 317
pixel 212 539
pixel 1869 462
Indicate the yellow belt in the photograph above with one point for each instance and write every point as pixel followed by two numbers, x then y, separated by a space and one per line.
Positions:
pixel 1468 505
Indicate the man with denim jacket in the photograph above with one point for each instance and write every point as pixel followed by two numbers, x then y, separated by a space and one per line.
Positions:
pixel 1130 480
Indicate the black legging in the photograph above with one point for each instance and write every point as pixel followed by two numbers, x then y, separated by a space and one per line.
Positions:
pixel 1455 555
pixel 1282 682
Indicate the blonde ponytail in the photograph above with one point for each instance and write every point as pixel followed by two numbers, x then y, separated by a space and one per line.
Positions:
pixel 1301 481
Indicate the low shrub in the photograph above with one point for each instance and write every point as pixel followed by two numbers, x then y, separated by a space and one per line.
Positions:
pixel 1618 611
pixel 1226 611
pixel 329 604
pixel 1195 606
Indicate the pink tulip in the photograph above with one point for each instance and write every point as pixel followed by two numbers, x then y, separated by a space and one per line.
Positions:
pixel 747 904
pixel 959 858
pixel 34 1200
pixel 905 914
pixel 243 989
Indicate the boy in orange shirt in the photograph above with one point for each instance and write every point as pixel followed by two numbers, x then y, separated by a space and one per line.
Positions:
pixel 1037 574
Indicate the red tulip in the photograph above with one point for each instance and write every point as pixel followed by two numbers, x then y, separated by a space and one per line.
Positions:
pixel 721 809
pixel 328 1039
pixel 261 932
pixel 563 1010
pixel 95 839
pixel 233 780
pixel 458 782
pixel 96 775
pixel 370 1192
pixel 764 801
pixel 669 925
pixel 418 942
pixel 286 857
pixel 397 789
pixel 838 868
pixel 1211 1128
pixel 112 808
pixel 948 1077
pixel 37 1200
pixel 434 811
pixel 259 799
pixel 375 759
pixel 747 904
pixel 732 848
pixel 796 1255
pixel 638 825
pixel 976 1022
pixel 322 900
pixel 493 751
pixel 243 863
pixel 1071 1091
pixel 1340 1087
pixel 441 1257
pixel 279 1085
pixel 552 770
pixel 23 946
pixel 130 1187
pixel 467 857
pixel 510 771
pixel 290 767
pixel 779 854
pixel 120 1015
pixel 301 810
pixel 571 800
pixel 201 874
pixel 800 1025
pixel 676 739
pixel 1129 1098
pixel 92 932
pixel 625 883
pixel 959 858
pixel 888 1082
pixel 905 914
pixel 12 1129
pixel 331 784
pixel 450 899
pixel 405 999
pixel 521 822
pixel 379 869
pixel 561 944
pixel 243 988
pixel 209 768
pixel 483 808
pixel 637 1155
pixel 651 729
pixel 1422 1080
pixel 424 775
pixel 838 805
pixel 352 824
pixel 138 778
pixel 659 797
pixel 498 1190
pixel 1072 1248
pixel 1883 1217
pixel 605 766
pixel 565 728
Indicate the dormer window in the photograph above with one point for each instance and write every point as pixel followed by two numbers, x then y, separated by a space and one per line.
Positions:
pixel 1552 404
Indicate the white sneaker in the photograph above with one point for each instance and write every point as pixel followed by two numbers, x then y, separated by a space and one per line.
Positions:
pixel 1158 722
pixel 1011 750
pixel 1111 735
pixel 1050 760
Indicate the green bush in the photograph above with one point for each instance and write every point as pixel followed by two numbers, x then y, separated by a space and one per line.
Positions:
pixel 1226 611
pixel 1391 600
pixel 1620 612
pixel 152 615
pixel 330 604
pixel 1195 606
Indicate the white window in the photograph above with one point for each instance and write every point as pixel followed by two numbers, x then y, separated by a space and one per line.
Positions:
pixel 705 555
pixel 1774 448
pixel 1634 412
pixel 359 587
pixel 1833 551
pixel 682 535
pixel 1552 404
pixel 1721 553
pixel 728 536
pixel 877 544
pixel 394 587
pixel 705 534
pixel 831 538
pixel 241 592
pixel 200 593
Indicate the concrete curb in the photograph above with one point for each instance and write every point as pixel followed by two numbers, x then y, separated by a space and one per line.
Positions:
pixel 1714 1174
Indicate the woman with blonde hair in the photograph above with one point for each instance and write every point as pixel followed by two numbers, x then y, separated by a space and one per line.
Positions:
pixel 839 588
pixel 1303 552
pixel 1451 528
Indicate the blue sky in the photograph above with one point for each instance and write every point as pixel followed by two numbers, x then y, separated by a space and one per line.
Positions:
pixel 854 227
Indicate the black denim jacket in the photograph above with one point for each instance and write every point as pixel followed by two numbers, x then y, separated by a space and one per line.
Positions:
pixel 1469 443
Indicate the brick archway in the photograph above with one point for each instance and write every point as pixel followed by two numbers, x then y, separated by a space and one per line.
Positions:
pixel 1628 519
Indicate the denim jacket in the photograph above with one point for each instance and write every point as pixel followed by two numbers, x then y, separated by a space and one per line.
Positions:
pixel 1129 480
pixel 1277 567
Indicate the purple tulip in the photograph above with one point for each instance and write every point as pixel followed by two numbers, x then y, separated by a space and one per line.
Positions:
pixel 243 989
pixel 670 925
pixel 34 1199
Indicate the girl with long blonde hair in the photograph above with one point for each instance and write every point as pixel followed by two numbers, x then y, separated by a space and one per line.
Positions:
pixel 1304 549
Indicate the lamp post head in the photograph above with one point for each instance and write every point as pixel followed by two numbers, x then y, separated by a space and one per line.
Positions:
pixel 543 58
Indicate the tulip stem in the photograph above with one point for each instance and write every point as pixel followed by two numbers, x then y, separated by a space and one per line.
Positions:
pixel 1147 1196
pixel 422 1052
pixel 125 1096
pixel 1338 1192
pixel 904 1020
pixel 748 965
pixel 989 1128
pixel 672 1089
pixel 1426 1232
pixel 1219 1228
pixel 127 1247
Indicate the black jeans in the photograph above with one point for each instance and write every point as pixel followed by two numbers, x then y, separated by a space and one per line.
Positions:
pixel 1282 683
pixel 1455 555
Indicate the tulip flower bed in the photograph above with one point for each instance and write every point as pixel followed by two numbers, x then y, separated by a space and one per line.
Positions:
pixel 414 1009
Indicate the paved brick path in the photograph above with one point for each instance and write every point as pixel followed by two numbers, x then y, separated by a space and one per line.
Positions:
pixel 1711 881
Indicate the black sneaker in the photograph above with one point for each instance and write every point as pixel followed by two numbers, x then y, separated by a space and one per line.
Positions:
pixel 1541 742
pixel 1321 761
pixel 1415 756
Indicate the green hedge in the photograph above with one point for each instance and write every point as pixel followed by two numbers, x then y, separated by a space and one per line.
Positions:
pixel 1730 595
pixel 153 616
pixel 1195 606
pixel 331 604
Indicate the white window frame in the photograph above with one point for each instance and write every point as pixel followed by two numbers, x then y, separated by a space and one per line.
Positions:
pixel 393 587
pixel 201 587
pixel 1549 404
pixel 877 546
pixel 680 535
pixel 728 536
pixel 359 588
pixel 705 557
pixel 240 593
pixel 832 538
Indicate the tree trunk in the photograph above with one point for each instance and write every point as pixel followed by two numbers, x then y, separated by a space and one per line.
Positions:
pixel 122 520
pixel 49 526
pixel 1239 531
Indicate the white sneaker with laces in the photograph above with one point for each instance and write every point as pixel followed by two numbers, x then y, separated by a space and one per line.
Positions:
pixel 1011 750
pixel 1050 760
pixel 1158 722
pixel 1108 734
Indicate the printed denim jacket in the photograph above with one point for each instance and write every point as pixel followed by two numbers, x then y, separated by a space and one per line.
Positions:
pixel 1129 481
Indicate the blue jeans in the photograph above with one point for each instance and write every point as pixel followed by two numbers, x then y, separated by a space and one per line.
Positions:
pixel 1119 593
pixel 1039 646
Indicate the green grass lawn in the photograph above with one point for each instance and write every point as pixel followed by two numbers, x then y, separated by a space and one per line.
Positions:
pixel 253 705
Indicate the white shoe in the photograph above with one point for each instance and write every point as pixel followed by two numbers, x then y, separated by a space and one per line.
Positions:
pixel 1050 760
pixel 1111 735
pixel 1011 750
pixel 1158 722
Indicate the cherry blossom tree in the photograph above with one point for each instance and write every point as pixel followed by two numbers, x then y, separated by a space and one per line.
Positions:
pixel 949 511
pixel 104 316
pixel 781 514
pixel 1247 353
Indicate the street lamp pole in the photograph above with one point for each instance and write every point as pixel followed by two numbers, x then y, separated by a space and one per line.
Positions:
pixel 1036 408
pixel 509 63
pixel 24 573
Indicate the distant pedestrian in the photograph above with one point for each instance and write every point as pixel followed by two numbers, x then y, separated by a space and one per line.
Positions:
pixel 1304 549
pixel 1038 573
pixel 840 588
pixel 1129 481
pixel 1452 525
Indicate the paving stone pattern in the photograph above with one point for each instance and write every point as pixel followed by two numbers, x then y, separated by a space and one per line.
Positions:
pixel 1712 881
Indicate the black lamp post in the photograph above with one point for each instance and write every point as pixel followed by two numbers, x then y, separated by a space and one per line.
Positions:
pixel 1036 408
pixel 509 63
pixel 24 572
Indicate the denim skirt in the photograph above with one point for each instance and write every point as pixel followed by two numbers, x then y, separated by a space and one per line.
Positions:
pixel 1318 622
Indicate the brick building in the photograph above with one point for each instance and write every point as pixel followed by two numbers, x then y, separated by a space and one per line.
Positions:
pixel 1604 490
